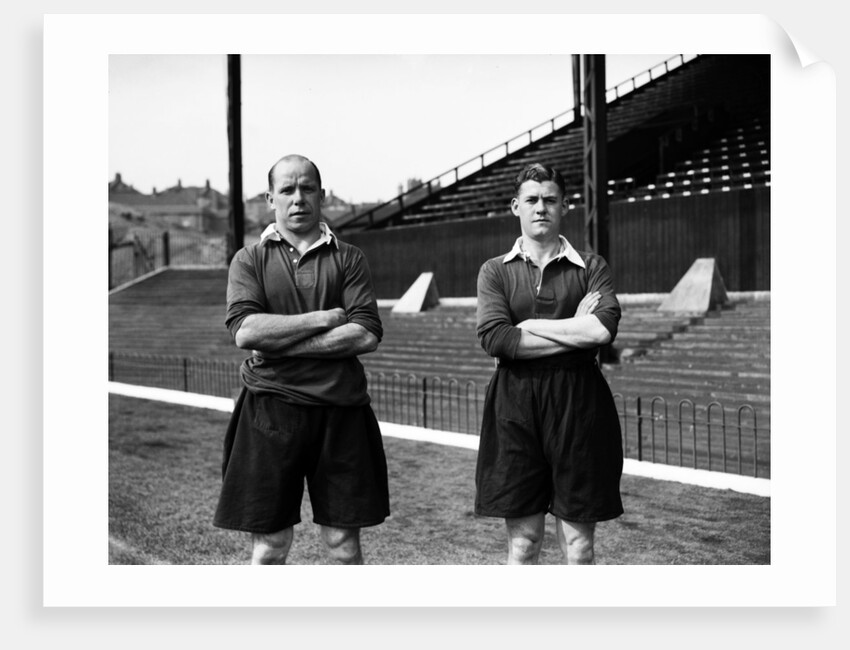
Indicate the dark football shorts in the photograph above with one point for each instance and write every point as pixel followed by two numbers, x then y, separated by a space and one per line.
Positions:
pixel 272 446
pixel 550 442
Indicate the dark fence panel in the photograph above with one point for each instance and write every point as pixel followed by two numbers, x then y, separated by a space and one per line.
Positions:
pixel 653 243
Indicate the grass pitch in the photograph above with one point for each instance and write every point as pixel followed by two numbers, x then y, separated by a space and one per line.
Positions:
pixel 165 472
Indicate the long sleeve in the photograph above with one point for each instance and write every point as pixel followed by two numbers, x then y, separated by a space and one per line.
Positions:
pixel 495 329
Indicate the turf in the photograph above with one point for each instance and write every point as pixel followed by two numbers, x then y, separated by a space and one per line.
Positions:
pixel 164 476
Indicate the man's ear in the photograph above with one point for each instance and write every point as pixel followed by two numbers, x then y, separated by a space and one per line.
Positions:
pixel 269 201
pixel 322 197
pixel 515 206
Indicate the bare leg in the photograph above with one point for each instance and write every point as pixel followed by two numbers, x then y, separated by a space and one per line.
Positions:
pixel 272 548
pixel 525 538
pixel 343 544
pixel 576 541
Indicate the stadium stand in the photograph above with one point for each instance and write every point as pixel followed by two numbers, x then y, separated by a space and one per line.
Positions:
pixel 724 355
pixel 713 107
pixel 713 110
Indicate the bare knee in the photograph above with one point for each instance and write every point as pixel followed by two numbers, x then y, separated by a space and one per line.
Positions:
pixel 580 551
pixel 524 550
pixel 271 548
pixel 525 539
pixel 576 541
pixel 343 544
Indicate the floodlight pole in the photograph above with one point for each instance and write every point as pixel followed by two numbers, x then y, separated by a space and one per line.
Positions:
pixel 576 86
pixel 234 137
pixel 595 156
pixel 596 167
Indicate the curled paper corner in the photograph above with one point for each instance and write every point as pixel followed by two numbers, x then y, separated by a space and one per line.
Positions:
pixel 799 50
pixel 806 56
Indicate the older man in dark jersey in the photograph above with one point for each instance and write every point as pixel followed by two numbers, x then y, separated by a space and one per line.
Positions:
pixel 302 301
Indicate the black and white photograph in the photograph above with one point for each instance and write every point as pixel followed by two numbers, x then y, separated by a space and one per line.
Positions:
pixel 643 215
pixel 435 307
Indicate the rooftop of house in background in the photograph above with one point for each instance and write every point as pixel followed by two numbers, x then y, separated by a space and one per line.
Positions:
pixel 121 192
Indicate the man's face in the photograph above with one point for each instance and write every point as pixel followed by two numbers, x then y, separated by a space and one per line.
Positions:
pixel 296 197
pixel 539 207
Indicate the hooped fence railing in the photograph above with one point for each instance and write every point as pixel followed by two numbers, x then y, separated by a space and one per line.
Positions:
pixel 683 433
pixel 477 163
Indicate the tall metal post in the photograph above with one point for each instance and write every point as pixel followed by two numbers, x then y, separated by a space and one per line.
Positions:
pixel 596 168
pixel 234 138
pixel 595 156
pixel 576 86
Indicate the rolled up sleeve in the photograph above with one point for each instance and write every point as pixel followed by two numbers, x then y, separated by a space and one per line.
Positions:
pixel 245 294
pixel 359 300
pixel 599 279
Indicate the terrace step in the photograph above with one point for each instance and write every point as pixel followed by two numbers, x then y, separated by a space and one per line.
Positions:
pixel 663 359
pixel 675 394
pixel 685 341
pixel 647 365
pixel 752 329
pixel 663 354
pixel 403 352
pixel 699 359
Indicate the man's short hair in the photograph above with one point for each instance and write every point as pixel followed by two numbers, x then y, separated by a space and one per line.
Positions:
pixel 540 172
pixel 294 156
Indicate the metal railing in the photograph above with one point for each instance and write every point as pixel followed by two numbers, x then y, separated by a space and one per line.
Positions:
pixel 710 437
pixel 693 435
pixel 502 150
pixel 647 76
pixel 431 402
pixel 219 377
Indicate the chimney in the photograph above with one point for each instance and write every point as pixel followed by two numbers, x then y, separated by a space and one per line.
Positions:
pixel 117 178
pixel 208 184
pixel 179 184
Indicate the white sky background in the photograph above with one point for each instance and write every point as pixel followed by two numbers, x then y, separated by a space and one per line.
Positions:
pixel 369 122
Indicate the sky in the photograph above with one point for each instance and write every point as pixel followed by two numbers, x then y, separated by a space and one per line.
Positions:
pixel 370 122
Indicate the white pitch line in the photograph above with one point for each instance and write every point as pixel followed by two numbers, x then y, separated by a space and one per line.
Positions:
pixel 701 477
pixel 172 396
pixel 659 471
pixel 408 432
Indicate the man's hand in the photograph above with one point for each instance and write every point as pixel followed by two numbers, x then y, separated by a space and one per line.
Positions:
pixel 585 308
pixel 588 304
pixel 578 331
